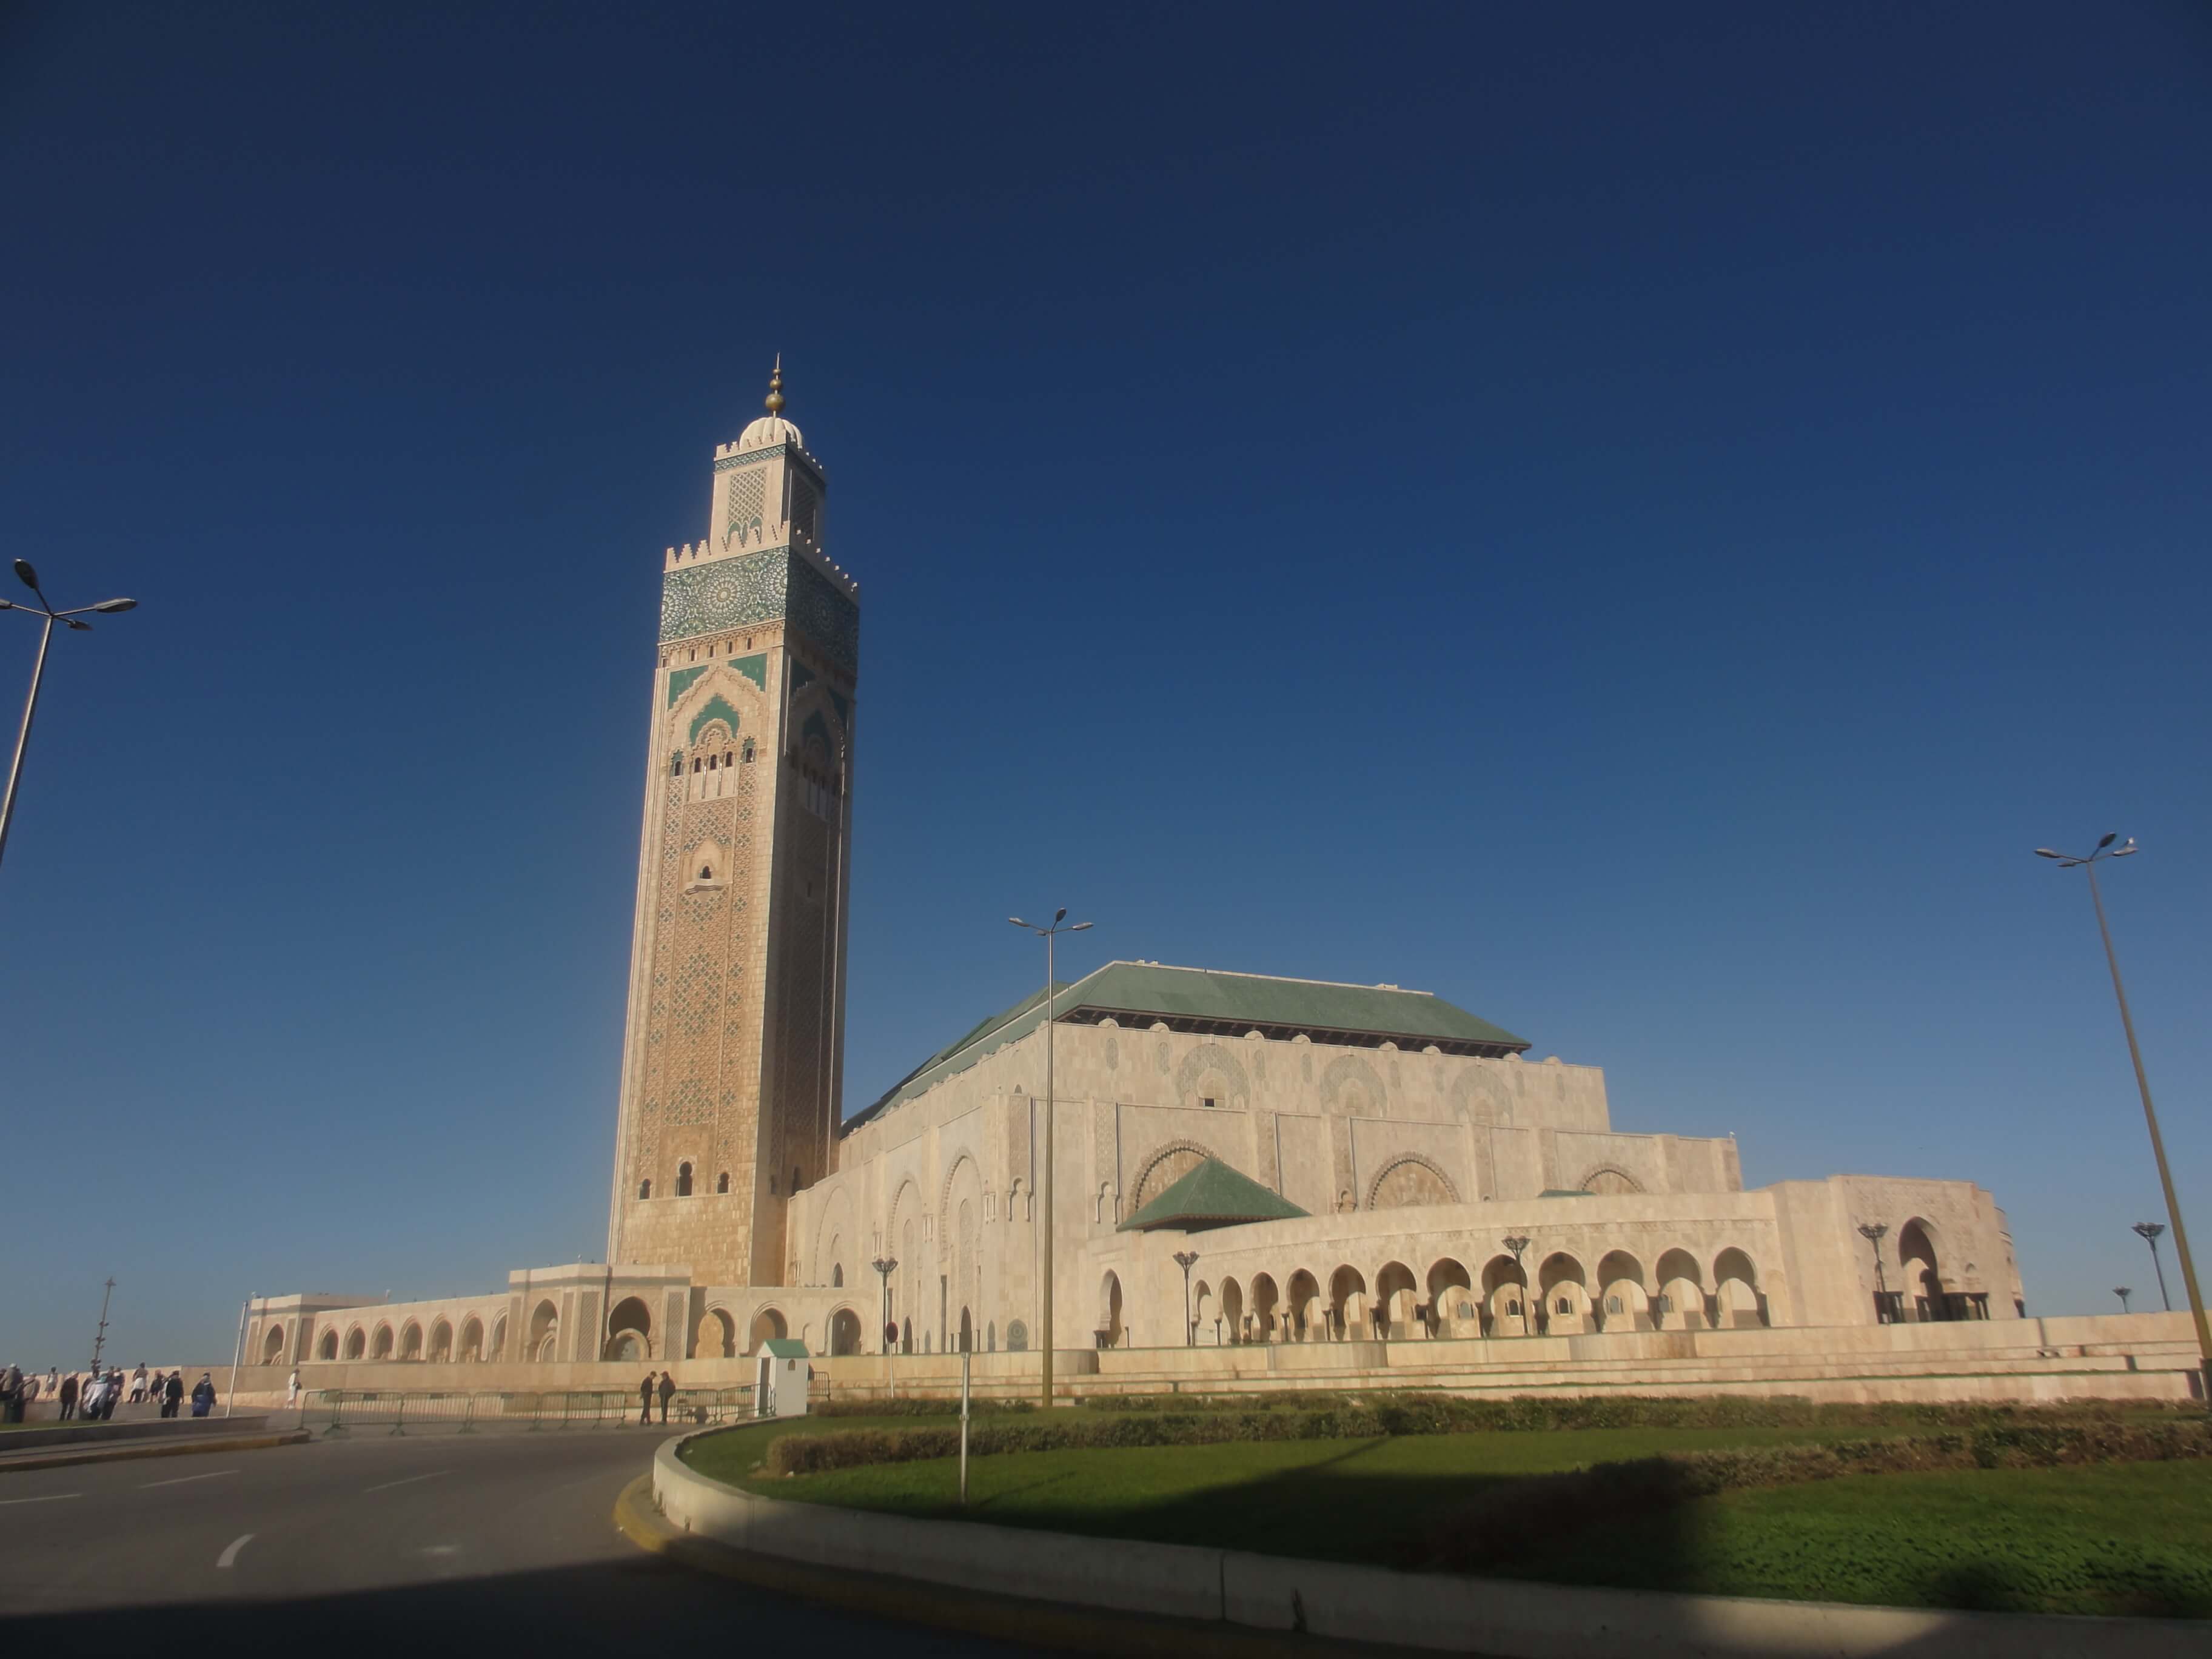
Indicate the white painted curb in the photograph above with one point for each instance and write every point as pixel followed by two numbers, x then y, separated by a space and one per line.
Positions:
pixel 1505 1618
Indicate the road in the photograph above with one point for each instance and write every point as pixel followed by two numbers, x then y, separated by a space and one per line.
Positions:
pixel 429 1543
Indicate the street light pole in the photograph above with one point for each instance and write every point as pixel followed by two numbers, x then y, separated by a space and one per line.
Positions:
pixel 2150 1230
pixel 1873 1232
pixel 99 1336
pixel 1044 1316
pixel 1517 1242
pixel 29 578
pixel 1187 1260
pixel 2088 861
pixel 884 1266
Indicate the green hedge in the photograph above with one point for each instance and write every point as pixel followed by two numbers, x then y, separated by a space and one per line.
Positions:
pixel 915 1407
pixel 2023 1429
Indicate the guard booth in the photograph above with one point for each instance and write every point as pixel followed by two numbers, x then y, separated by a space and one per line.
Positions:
pixel 779 1378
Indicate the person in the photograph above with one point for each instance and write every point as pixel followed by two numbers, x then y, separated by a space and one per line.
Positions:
pixel 153 1388
pixel 292 1389
pixel 204 1395
pixel 667 1394
pixel 11 1394
pixel 70 1391
pixel 90 1396
pixel 173 1394
pixel 138 1385
pixel 644 1399
pixel 53 1383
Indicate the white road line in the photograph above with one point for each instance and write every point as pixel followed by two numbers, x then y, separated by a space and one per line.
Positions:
pixel 182 1478
pixel 408 1481
pixel 230 1551
pixel 50 1498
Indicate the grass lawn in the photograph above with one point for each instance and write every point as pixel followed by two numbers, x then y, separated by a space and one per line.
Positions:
pixel 2134 1537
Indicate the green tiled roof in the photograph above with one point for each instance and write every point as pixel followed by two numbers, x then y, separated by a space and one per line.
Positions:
pixel 1212 1195
pixel 1137 993
pixel 786 1347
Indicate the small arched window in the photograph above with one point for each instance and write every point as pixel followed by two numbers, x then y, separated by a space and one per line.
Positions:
pixel 722 1181
pixel 837 1276
pixel 645 1189
pixel 747 751
pixel 684 1180
pixel 706 873
pixel 676 767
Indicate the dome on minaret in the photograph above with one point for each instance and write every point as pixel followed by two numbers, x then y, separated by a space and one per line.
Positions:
pixel 772 428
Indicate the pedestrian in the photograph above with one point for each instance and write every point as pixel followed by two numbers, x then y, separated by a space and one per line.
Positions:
pixel 204 1395
pixel 292 1389
pixel 138 1385
pixel 153 1388
pixel 644 1399
pixel 173 1394
pixel 11 1395
pixel 113 1397
pixel 53 1383
pixel 667 1394
pixel 70 1391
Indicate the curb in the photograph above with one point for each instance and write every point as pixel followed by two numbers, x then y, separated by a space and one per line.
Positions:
pixel 1000 1617
pixel 61 1460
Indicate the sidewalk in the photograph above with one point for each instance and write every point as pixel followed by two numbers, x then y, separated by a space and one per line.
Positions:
pixel 58 1445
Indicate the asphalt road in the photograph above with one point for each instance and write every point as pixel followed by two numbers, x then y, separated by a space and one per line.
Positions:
pixel 430 1543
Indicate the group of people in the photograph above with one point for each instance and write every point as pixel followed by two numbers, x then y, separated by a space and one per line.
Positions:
pixel 92 1397
pixel 665 1388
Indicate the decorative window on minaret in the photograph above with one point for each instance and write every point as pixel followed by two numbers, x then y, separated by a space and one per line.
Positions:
pixel 742 521
pixel 806 505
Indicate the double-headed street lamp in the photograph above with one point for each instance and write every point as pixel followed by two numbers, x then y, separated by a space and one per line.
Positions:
pixel 1517 1242
pixel 2150 1231
pixel 1873 1232
pixel 1187 1260
pixel 69 619
pixel 2088 861
pixel 1060 925
pixel 886 1267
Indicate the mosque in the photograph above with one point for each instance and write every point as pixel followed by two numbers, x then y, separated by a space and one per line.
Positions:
pixel 1250 1180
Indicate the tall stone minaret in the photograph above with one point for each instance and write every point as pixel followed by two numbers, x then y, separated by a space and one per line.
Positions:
pixel 733 1057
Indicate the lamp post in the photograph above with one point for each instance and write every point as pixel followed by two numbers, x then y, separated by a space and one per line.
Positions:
pixel 2123 1291
pixel 1517 1242
pixel 1873 1232
pixel 2150 1231
pixel 886 1266
pixel 2088 861
pixel 1060 925
pixel 29 578
pixel 1187 1260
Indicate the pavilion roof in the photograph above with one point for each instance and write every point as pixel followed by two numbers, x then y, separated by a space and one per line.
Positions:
pixel 1212 1195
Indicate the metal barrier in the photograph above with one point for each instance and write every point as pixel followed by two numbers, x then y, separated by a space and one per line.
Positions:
pixel 400 1411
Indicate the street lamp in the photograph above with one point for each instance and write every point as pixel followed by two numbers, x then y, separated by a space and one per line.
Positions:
pixel 2088 861
pixel 2150 1230
pixel 1873 1232
pixel 1060 925
pixel 2123 1291
pixel 29 578
pixel 1517 1242
pixel 1187 1260
pixel 886 1265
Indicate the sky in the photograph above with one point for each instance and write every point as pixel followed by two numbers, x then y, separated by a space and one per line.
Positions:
pixel 1635 521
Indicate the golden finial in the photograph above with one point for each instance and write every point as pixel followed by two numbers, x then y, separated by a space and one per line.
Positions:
pixel 775 387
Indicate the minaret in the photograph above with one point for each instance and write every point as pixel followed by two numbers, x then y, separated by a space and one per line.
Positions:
pixel 732 1063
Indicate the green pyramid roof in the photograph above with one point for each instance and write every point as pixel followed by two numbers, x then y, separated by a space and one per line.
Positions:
pixel 1212 1195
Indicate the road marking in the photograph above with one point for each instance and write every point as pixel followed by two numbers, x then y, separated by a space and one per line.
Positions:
pixel 440 1549
pixel 408 1481
pixel 50 1498
pixel 229 1555
pixel 182 1478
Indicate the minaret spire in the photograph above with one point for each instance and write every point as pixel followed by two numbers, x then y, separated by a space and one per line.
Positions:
pixel 775 387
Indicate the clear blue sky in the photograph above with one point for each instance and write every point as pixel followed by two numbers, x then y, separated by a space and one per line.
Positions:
pixel 1635 523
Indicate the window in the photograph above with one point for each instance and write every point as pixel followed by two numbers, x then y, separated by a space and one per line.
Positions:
pixel 837 1276
pixel 746 753
pixel 1612 1304
pixel 1208 1103
pixel 694 762
pixel 645 1189
pixel 1563 1306
pixel 722 1181
pixel 684 1180
pixel 676 767
pixel 1513 1306
pixel 706 873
